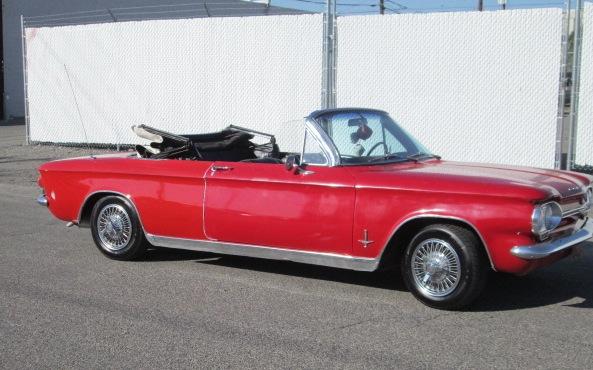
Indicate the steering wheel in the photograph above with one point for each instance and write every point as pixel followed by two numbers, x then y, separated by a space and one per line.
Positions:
pixel 375 147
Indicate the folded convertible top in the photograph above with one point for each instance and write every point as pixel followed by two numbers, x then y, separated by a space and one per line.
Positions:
pixel 232 143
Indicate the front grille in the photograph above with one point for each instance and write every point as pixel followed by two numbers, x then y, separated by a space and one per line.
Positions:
pixel 574 208
pixel 574 205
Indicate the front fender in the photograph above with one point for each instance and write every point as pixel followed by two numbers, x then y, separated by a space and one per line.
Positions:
pixel 500 223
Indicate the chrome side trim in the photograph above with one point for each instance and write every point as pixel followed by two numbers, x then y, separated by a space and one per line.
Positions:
pixel 432 215
pixel 42 200
pixel 543 250
pixel 257 251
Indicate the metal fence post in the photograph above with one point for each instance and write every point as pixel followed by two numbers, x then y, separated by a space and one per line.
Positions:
pixel 25 81
pixel 328 89
pixel 576 83
pixel 559 162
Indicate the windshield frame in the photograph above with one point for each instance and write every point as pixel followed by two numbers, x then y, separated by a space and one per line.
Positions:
pixel 325 142
pixel 330 148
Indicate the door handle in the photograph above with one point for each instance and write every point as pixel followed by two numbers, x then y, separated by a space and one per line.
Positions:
pixel 304 172
pixel 220 168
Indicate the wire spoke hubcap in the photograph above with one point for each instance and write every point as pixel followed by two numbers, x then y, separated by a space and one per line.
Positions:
pixel 114 227
pixel 435 267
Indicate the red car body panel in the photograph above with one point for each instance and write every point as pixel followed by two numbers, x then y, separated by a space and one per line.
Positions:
pixel 268 205
pixel 498 207
pixel 168 194
pixel 329 210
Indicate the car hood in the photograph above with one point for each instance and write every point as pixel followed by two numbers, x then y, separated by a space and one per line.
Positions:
pixel 473 178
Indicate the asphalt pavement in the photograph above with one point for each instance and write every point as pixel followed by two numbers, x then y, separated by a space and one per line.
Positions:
pixel 64 305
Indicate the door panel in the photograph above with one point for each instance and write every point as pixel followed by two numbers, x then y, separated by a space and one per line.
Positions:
pixel 167 192
pixel 265 204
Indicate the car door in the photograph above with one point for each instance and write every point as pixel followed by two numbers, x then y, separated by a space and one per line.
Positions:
pixel 307 208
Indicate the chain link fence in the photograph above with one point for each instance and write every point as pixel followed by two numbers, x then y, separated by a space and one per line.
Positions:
pixel 198 9
pixel 584 129
pixel 91 83
pixel 460 82
pixel 473 86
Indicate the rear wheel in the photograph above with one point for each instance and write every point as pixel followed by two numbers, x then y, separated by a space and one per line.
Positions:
pixel 116 229
pixel 444 266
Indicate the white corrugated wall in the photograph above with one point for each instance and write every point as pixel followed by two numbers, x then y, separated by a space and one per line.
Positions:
pixel 473 86
pixel 184 76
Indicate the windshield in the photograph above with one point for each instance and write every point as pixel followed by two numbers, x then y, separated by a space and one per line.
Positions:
pixel 363 137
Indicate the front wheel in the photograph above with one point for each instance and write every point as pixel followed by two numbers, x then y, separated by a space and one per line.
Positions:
pixel 444 266
pixel 116 229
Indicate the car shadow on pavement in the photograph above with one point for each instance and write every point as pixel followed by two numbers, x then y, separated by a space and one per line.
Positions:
pixel 541 288
pixel 166 254
pixel 382 279
pixel 558 284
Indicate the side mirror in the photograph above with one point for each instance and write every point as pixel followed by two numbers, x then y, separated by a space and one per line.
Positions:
pixel 292 162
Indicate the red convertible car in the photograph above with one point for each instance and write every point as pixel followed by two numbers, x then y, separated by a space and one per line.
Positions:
pixel 359 193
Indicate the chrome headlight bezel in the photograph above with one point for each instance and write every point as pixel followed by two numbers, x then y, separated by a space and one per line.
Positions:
pixel 589 198
pixel 545 218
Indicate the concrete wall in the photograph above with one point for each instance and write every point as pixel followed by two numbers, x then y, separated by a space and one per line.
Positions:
pixel 13 9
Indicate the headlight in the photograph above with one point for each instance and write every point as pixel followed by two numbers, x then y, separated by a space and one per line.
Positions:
pixel 545 218
pixel 589 198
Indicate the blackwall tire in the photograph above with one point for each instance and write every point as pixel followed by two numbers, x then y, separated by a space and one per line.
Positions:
pixel 116 229
pixel 445 267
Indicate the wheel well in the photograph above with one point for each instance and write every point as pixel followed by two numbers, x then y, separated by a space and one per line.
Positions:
pixel 87 207
pixel 403 236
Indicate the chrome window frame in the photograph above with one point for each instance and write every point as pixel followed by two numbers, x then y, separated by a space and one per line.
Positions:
pixel 302 158
pixel 325 143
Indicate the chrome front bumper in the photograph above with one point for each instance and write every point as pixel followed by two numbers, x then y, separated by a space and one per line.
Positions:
pixel 543 250
pixel 42 200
